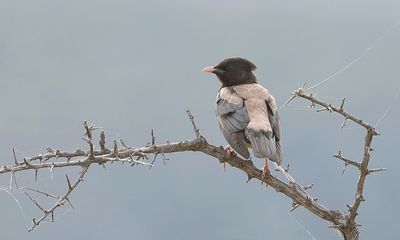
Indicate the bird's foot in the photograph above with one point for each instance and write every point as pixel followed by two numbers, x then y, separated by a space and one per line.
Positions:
pixel 265 172
pixel 229 150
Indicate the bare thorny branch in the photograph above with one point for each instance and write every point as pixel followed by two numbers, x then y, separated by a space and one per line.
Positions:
pixel 349 228
pixel 121 153
pixel 84 161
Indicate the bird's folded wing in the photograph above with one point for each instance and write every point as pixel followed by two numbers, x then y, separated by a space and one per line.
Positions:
pixel 233 119
pixel 274 119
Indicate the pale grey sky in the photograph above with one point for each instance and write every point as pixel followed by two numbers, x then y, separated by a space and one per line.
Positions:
pixel 130 66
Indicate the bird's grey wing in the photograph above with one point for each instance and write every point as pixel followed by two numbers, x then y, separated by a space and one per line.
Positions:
pixel 274 119
pixel 233 119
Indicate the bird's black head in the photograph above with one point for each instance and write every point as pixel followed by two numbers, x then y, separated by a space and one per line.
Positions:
pixel 233 71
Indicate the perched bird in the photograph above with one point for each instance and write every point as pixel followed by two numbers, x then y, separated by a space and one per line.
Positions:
pixel 246 111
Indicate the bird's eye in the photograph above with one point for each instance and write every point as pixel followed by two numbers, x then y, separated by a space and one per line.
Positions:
pixel 228 68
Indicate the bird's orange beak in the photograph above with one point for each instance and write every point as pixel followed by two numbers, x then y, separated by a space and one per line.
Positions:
pixel 209 69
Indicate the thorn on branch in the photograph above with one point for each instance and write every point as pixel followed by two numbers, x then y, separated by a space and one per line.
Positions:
pixel 44 193
pixel 36 203
pixel 58 153
pixel 153 138
pixel 13 181
pixel 15 158
pixel 164 158
pixel 196 130
pixel 294 95
pixel 328 108
pixel 102 141
pixel 141 156
pixel 88 133
pixel 360 197
pixel 50 150
pixel 376 170
pixel 342 104
pixel 131 158
pixel 343 123
pixel 27 163
pixel 154 159
pixel 344 168
pixel 69 183
pixel 248 178
pixel 123 143
pixel 295 205
pixel 115 151
pixel 285 169
pixel 308 186
pixel 34 224
pixel 72 206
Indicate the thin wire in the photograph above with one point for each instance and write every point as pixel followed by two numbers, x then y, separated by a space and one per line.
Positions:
pixel 388 108
pixel 364 53
pixel 15 199
pixel 303 227
pixel 293 106
pixel 352 128
pixel 286 103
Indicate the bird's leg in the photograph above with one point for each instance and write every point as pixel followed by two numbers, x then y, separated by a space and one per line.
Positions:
pixel 229 150
pixel 265 171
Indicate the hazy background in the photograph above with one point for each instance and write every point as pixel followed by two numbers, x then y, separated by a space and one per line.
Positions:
pixel 130 66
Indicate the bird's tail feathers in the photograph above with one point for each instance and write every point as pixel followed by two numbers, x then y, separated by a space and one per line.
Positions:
pixel 278 152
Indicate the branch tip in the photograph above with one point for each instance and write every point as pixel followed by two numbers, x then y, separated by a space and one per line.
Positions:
pixel 68 182
pixel 153 138
pixel 115 151
pixel 191 118
pixel 376 170
pixel 248 178
pixel 15 158
pixel 342 104
pixel 102 141
pixel 36 203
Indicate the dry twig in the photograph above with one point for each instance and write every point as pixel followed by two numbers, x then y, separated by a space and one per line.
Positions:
pixel 345 223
